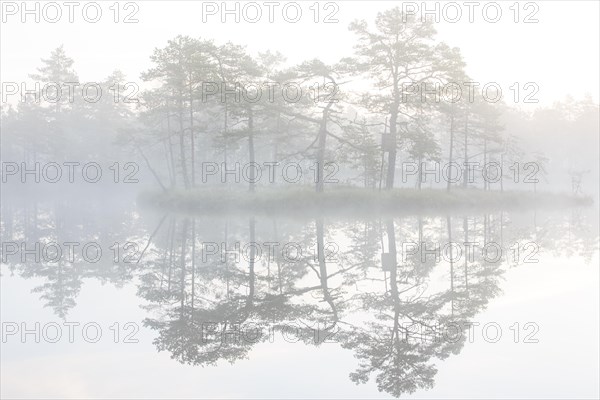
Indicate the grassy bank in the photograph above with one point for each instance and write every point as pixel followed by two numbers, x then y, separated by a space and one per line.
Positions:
pixel 354 201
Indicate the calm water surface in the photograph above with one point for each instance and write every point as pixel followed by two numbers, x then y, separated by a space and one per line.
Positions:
pixel 160 304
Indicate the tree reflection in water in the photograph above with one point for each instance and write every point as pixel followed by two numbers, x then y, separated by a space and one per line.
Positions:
pixel 211 295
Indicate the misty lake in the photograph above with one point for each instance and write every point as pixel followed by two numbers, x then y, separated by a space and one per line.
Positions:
pixel 155 303
pixel 299 200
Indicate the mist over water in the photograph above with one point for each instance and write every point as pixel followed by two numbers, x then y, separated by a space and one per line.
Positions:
pixel 362 214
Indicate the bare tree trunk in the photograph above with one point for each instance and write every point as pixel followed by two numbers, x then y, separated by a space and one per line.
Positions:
pixel 391 167
pixel 466 240
pixel 251 156
pixel 321 151
pixel 278 259
pixel 486 185
pixel 501 172
pixel 186 179
pixel 449 226
pixel 420 175
pixel 171 253
pixel 450 156
pixel 323 268
pixel 466 175
pixel 170 142
pixel 182 262
pixel 193 147
pixel 193 265
pixel 251 278
pixel 391 235
pixel 225 135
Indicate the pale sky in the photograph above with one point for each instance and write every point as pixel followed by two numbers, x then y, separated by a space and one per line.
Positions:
pixel 559 53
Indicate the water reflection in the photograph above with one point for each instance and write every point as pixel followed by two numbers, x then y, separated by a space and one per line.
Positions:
pixel 386 289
